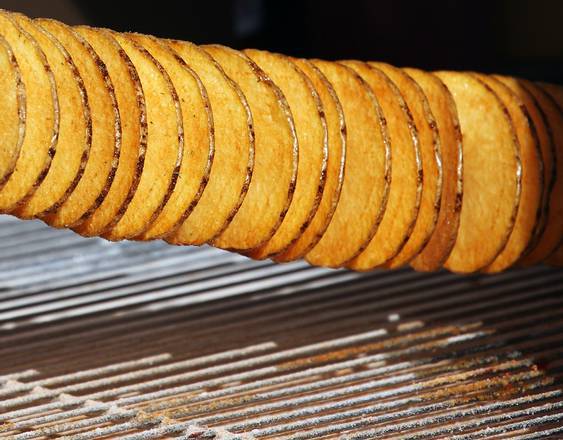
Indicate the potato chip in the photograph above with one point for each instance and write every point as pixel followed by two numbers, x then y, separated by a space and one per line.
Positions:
pixel 165 141
pixel 529 211
pixel 312 135
pixel 132 108
pixel 556 92
pixel 41 117
pixel 367 171
pixel 276 156
pixel 234 150
pixel 429 143
pixel 106 129
pixel 75 129
pixel 406 172
pixel 199 141
pixel 553 231
pixel 547 147
pixel 491 175
pixel 335 168
pixel 12 118
pixel 443 107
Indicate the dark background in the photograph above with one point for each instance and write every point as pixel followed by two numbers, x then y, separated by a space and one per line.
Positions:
pixel 506 36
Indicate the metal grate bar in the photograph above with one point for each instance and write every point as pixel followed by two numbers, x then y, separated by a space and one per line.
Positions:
pixel 149 341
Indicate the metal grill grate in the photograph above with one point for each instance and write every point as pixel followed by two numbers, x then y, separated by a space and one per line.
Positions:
pixel 150 341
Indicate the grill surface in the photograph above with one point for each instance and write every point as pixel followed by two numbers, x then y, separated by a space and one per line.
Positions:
pixel 147 341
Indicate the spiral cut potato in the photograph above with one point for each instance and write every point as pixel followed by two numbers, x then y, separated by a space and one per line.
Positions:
pixel 349 164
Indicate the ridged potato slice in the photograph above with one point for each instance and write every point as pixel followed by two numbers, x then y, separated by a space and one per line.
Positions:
pixel 75 129
pixel 336 127
pixel 233 163
pixel 312 135
pixel 547 147
pixel 276 154
pixel 36 152
pixel 556 92
pixel 529 211
pixel 553 231
pixel 406 172
pixel 132 110
pixel 165 144
pixel 106 130
pixel 443 107
pixel 12 118
pixel 491 175
pixel 431 156
pixel 199 140
pixel 367 171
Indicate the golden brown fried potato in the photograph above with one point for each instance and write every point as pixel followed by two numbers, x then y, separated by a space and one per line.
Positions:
pixel 406 173
pixel 132 109
pixel 106 130
pixel 12 118
pixel 35 153
pixel 547 147
pixel 529 211
pixel 75 130
pixel 553 231
pixel 165 144
pixel 199 141
pixel 336 127
pixel 233 163
pixel 556 92
pixel 491 175
pixel 443 107
pixel 310 125
pixel 367 171
pixel 429 143
pixel 346 164
pixel 276 154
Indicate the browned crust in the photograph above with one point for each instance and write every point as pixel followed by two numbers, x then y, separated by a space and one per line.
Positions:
pixel 180 127
pixel 540 211
pixel 388 163
pixel 324 164
pixel 117 127
pixel 186 51
pixel 22 115
pixel 542 223
pixel 557 254
pixel 550 184
pixel 211 154
pixel 336 196
pixel 251 137
pixel 418 158
pixel 117 121
pixel 503 239
pixel 436 148
pixel 143 135
pixel 56 116
pixel 536 141
pixel 262 77
pixel 414 137
pixel 516 143
pixel 387 169
pixel 251 152
pixel 422 262
pixel 87 115
pixel 557 156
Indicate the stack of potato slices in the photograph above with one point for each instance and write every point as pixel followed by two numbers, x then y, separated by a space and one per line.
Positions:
pixel 346 164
